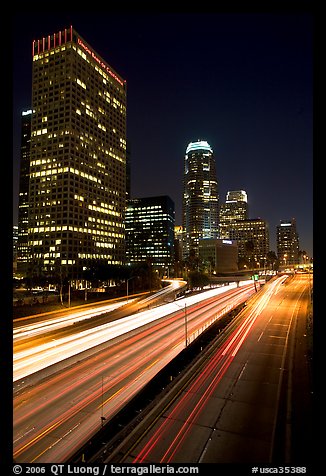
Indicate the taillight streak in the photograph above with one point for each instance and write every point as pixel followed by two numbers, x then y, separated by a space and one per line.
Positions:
pixel 222 357
pixel 150 333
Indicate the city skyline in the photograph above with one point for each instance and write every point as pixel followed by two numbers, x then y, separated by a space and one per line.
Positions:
pixel 247 90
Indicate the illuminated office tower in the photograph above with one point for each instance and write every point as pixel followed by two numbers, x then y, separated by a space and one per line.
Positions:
pixel 14 240
pixel 287 242
pixel 252 237
pixel 23 203
pixel 200 196
pixel 150 231
pixel 235 208
pixel 14 248
pixel 77 190
pixel 236 196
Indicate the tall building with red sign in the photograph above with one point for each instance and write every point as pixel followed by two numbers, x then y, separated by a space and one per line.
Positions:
pixel 77 189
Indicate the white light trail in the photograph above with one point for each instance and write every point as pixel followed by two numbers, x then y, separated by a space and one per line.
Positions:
pixel 39 357
pixel 63 321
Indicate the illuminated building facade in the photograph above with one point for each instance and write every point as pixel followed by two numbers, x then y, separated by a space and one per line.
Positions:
pixel 200 196
pixel 287 242
pixel 23 203
pixel 150 231
pixel 252 237
pixel 128 172
pixel 235 208
pixel 77 190
pixel 14 248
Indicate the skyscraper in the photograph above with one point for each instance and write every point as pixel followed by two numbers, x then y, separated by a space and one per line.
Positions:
pixel 77 189
pixel 150 231
pixel 200 196
pixel 235 208
pixel 287 242
pixel 23 203
pixel 252 237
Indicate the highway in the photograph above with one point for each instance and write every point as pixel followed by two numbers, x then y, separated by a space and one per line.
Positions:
pixel 226 408
pixel 56 412
pixel 44 340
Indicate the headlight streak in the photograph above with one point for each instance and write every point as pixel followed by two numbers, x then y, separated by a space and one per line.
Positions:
pixel 204 323
pixel 220 361
pixel 92 424
pixel 30 330
pixel 44 355
pixel 126 346
pixel 130 344
pixel 133 387
pixel 174 284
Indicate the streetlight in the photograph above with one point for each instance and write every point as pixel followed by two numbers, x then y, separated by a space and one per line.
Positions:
pixel 186 325
pixel 186 321
pixel 285 256
pixel 132 277
pixel 102 416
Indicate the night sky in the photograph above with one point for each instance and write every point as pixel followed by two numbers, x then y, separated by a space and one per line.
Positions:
pixel 241 81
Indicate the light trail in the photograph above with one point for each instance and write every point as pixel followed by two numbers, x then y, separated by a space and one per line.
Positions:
pixel 47 325
pixel 216 367
pixel 129 365
pixel 126 348
pixel 31 330
pixel 31 360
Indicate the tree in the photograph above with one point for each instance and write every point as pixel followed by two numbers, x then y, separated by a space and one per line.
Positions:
pixel 60 278
pixel 198 280
pixel 249 249
pixel 243 263
pixel 192 261
pixel 35 275
pixel 302 256
pixel 271 258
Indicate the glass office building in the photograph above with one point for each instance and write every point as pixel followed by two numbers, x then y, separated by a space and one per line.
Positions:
pixel 256 232
pixel 200 196
pixel 235 208
pixel 23 203
pixel 150 231
pixel 287 242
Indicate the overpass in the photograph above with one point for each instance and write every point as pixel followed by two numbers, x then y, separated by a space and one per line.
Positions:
pixel 242 275
pixel 228 279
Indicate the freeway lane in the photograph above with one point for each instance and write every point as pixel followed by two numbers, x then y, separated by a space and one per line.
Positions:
pixel 228 411
pixel 38 343
pixel 29 327
pixel 41 327
pixel 38 353
pixel 55 417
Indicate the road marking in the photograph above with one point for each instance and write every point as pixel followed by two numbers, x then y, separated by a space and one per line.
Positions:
pixel 242 370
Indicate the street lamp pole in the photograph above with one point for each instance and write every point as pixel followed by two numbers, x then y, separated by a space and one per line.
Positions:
pixel 186 321
pixel 128 289
pixel 102 416
pixel 186 325
pixel 285 256
pixel 132 277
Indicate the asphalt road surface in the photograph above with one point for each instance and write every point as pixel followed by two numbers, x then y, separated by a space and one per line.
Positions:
pixel 58 411
pixel 249 401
